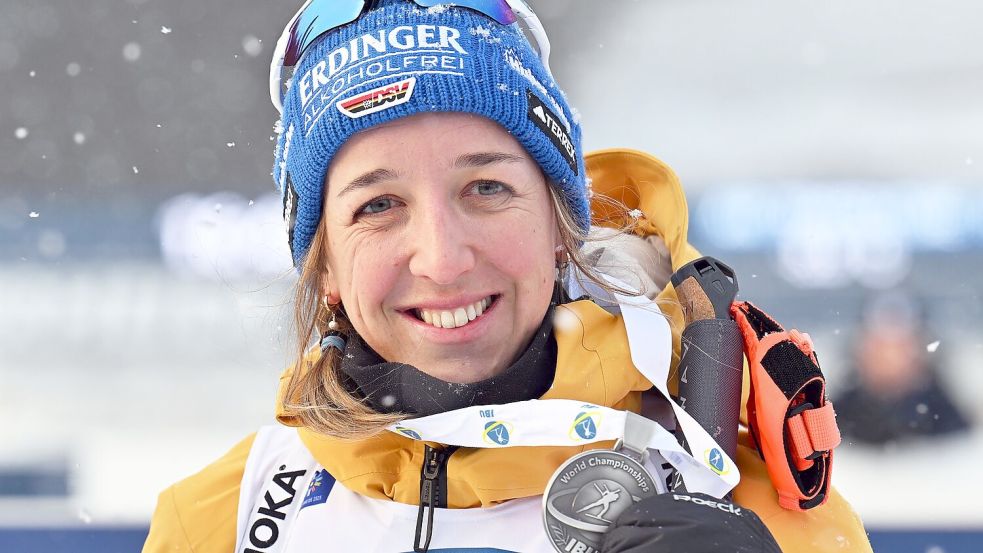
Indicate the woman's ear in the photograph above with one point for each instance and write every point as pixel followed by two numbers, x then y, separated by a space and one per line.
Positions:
pixel 329 288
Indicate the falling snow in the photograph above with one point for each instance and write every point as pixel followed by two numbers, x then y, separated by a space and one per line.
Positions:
pixel 135 170
pixel 230 144
pixel 34 215
pixel 73 69
pixel 131 52
pixel 165 30
pixel 21 133
pixel 635 213
pixel 933 346
pixel 79 138
pixel 252 46
pixel 565 320
pixel 485 34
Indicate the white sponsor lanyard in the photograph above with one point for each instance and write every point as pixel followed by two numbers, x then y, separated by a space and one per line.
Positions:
pixel 563 422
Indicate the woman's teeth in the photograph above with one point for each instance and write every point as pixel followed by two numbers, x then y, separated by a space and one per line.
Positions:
pixel 454 317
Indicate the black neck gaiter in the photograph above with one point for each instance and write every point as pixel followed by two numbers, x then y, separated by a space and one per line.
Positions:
pixel 401 388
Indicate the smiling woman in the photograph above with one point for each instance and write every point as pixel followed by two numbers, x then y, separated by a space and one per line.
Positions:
pixel 463 220
pixel 472 336
pixel 438 248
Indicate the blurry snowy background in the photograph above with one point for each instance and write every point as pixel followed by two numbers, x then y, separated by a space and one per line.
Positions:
pixel 831 151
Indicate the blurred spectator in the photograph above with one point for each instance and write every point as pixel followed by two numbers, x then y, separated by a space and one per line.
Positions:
pixel 896 391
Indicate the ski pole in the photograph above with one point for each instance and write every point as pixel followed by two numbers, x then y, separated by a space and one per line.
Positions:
pixel 711 363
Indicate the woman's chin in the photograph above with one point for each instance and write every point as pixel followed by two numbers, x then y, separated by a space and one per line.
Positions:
pixel 460 372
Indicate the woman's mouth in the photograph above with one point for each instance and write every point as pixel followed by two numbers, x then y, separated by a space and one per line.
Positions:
pixel 456 317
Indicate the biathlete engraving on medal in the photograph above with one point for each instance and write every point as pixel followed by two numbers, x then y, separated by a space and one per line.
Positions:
pixel 587 494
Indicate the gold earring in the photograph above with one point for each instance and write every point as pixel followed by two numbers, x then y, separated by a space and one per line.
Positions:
pixel 333 323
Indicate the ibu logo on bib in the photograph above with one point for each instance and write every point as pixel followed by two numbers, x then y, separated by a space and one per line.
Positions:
pixel 408 432
pixel 585 424
pixel 715 460
pixel 497 433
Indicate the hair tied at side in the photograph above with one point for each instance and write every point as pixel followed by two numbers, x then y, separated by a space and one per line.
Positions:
pixel 333 340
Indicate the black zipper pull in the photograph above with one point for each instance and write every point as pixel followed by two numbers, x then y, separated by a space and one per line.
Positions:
pixel 432 496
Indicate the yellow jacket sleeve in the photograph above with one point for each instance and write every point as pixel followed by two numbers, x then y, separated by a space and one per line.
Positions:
pixel 198 514
pixel 646 185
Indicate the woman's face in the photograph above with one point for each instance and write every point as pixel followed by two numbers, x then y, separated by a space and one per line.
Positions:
pixel 441 243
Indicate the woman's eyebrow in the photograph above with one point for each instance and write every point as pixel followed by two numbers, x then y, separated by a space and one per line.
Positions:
pixel 464 161
pixel 481 159
pixel 368 179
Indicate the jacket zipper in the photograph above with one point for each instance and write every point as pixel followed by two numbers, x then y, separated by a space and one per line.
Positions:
pixel 432 496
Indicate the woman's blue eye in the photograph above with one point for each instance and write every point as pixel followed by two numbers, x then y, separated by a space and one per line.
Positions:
pixel 377 205
pixel 489 188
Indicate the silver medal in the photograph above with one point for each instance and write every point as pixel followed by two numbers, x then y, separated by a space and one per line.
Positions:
pixel 587 494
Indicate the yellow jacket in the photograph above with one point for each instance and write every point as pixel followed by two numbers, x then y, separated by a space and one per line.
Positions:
pixel 198 514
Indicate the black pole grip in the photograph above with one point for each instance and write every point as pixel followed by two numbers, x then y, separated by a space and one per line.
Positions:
pixel 716 279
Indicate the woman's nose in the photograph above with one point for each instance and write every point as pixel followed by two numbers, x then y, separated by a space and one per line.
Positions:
pixel 443 245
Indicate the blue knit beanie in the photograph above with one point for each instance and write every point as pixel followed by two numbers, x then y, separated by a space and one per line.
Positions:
pixel 398 60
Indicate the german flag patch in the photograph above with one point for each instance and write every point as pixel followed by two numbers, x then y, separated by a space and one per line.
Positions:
pixel 378 99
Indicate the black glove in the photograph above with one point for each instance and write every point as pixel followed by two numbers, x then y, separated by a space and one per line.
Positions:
pixel 690 523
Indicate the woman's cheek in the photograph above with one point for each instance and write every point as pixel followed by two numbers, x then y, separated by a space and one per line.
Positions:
pixel 374 268
pixel 352 256
pixel 519 245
